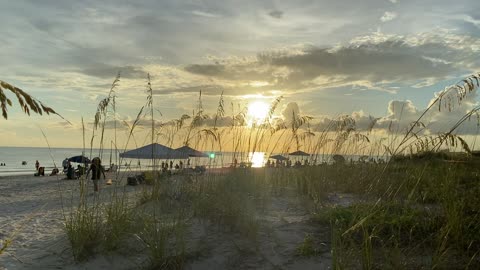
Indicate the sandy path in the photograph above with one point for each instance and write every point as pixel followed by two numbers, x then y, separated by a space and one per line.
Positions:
pixel 284 225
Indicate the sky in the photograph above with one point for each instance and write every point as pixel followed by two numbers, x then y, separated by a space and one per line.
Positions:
pixel 365 59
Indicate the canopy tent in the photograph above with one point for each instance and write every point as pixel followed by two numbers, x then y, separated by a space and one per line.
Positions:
pixel 278 157
pixel 299 153
pixel 154 150
pixel 190 152
pixel 79 159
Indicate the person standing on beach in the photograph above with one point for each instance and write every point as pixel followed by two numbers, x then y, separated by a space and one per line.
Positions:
pixel 37 164
pixel 65 164
pixel 97 169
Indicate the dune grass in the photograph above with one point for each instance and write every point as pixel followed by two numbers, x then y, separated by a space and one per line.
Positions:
pixel 415 210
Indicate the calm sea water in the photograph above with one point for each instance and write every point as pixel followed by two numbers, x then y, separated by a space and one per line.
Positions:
pixel 48 158
pixel 13 157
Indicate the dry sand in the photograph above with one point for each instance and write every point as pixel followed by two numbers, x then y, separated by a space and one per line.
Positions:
pixel 31 212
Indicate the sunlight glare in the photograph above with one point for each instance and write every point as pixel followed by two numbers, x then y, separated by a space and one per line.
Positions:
pixel 257 159
pixel 257 112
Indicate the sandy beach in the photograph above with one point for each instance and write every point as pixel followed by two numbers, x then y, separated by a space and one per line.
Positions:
pixel 32 216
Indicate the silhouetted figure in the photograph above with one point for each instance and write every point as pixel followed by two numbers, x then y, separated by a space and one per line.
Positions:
pixel 54 171
pixel 65 164
pixel 40 171
pixel 97 170
pixel 70 171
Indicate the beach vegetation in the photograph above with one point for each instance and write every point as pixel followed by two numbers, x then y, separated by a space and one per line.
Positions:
pixel 417 208
pixel 27 102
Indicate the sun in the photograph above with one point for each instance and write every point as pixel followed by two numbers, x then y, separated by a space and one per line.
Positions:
pixel 257 112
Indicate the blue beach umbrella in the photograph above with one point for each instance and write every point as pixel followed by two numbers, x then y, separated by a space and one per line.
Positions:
pixel 79 159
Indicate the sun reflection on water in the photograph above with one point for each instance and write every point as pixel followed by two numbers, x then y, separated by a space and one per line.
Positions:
pixel 257 159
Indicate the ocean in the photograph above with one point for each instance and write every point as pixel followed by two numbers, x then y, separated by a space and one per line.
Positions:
pixel 13 157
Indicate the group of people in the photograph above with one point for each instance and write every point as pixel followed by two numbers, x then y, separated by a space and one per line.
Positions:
pixel 287 163
pixel 95 168
pixel 40 171
pixel 69 170
pixel 2 164
pixel 165 166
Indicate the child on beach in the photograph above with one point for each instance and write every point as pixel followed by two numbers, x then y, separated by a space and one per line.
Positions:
pixel 37 164
pixel 96 168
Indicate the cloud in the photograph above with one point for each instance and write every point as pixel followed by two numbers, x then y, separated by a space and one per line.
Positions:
pixel 290 112
pixel 390 60
pixel 465 18
pixel 443 116
pixel 204 14
pixel 388 16
pixel 226 121
pixel 377 62
pixel 217 89
pixel 108 71
pixel 277 14
pixel 361 122
pixel 401 114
